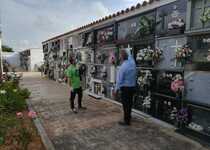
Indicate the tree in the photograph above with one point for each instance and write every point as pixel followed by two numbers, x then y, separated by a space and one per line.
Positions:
pixel 7 48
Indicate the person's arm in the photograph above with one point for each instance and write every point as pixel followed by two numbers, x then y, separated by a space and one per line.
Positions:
pixel 69 81
pixel 67 75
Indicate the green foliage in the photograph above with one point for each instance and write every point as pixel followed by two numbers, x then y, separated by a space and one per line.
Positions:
pixel 1 140
pixel 25 93
pixel 8 121
pixel 206 16
pixel 13 98
pixel 146 26
pixel 25 137
pixel 7 48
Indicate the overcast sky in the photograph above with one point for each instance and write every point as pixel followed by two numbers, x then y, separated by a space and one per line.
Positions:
pixel 26 23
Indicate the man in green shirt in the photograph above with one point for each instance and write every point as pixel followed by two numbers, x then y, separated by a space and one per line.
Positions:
pixel 74 80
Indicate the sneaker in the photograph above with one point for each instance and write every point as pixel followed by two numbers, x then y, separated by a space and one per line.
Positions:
pixel 74 110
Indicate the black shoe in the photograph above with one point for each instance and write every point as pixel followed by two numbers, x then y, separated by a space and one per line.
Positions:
pixel 122 123
pixel 82 108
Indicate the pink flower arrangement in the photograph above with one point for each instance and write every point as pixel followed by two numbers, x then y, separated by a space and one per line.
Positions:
pixel 177 84
pixel 112 58
pixel 19 115
pixel 32 114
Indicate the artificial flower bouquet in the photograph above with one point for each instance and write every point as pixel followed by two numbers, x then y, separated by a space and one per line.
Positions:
pixel 183 54
pixel 175 24
pixel 144 78
pixel 177 84
pixel 149 55
pixel 183 117
pixel 206 16
pixel 156 55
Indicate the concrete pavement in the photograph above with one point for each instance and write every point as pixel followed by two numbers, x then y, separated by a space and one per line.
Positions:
pixel 95 128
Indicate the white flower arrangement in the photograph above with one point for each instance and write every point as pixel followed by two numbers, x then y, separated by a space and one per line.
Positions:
pixel 3 92
pixel 147 102
pixel 173 113
pixel 144 79
pixel 176 24
pixel 148 54
pixel 183 54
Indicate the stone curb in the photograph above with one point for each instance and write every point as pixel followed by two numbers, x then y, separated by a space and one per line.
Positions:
pixel 38 123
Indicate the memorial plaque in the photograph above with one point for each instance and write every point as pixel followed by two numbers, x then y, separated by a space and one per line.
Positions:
pixel 105 35
pixel 201 48
pixel 198 86
pixel 169 46
pixel 171 18
pixel 200 117
pixel 136 28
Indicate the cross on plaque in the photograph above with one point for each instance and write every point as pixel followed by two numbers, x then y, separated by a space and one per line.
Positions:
pixel 175 47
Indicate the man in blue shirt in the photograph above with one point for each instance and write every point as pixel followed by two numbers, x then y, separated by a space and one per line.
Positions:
pixel 126 84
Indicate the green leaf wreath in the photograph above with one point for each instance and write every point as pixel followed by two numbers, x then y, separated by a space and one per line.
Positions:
pixel 206 16
pixel 145 25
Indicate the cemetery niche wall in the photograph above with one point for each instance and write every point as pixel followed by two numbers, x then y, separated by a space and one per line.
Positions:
pixel 137 29
pixel 139 33
pixel 171 18
pixel 198 12
pixel 143 99
pixel 170 46
pixel 102 70
pixel 197 81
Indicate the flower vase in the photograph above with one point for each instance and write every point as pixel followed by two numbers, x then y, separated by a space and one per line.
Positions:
pixel 180 63
pixel 183 62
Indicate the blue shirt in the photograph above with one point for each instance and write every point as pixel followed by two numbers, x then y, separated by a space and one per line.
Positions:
pixel 126 76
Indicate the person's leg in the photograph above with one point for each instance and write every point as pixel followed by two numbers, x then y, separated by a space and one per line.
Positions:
pixel 125 102
pixel 124 108
pixel 130 104
pixel 72 97
pixel 80 96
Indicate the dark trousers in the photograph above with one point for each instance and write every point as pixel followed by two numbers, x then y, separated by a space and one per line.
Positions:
pixel 127 94
pixel 73 95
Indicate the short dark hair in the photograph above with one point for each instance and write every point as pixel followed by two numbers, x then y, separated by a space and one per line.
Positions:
pixel 125 54
pixel 71 60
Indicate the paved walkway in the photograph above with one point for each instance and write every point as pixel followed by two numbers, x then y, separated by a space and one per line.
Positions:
pixel 95 128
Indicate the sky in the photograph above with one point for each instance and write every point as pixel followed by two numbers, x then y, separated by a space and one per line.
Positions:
pixel 26 23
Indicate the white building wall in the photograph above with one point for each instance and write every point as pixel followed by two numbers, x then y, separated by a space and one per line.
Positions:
pixel 37 58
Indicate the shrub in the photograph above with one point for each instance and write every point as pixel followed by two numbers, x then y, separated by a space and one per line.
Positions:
pixel 12 98
pixel 25 93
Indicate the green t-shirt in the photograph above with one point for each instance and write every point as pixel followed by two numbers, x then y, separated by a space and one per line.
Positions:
pixel 73 74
